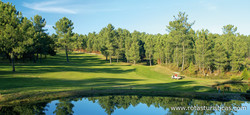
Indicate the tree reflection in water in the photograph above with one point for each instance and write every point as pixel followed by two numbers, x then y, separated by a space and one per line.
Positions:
pixel 64 107
pixel 112 103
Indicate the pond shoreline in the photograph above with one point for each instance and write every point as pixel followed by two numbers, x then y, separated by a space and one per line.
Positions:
pixel 49 96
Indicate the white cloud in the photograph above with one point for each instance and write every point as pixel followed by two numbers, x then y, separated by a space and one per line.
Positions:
pixel 208 5
pixel 71 7
pixel 50 6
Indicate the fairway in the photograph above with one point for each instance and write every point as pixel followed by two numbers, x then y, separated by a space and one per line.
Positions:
pixel 89 71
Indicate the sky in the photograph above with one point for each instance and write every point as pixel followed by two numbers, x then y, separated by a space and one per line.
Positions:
pixel 150 16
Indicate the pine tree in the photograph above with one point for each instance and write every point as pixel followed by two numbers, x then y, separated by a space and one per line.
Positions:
pixel 191 68
pixel 128 42
pixel 90 42
pixel 120 43
pixel 159 48
pixel 220 56
pixel 203 50
pixel 10 35
pixel 64 29
pixel 168 48
pixel 110 40
pixel 179 31
pixel 26 31
pixel 229 36
pixel 149 47
pixel 132 50
pixel 239 53
pixel 39 23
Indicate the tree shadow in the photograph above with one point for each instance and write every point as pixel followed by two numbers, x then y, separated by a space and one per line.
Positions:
pixel 17 84
pixel 58 64
pixel 174 86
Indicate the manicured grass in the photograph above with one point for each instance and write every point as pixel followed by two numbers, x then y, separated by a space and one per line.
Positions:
pixel 87 72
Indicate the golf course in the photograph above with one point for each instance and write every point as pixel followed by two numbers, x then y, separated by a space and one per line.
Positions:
pixel 92 72
pixel 66 57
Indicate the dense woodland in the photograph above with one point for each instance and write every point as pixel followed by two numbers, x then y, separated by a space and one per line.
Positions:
pixel 182 48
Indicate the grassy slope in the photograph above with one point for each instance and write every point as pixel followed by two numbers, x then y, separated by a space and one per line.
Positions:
pixel 86 71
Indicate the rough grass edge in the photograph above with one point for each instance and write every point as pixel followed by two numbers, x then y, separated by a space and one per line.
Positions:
pixel 47 97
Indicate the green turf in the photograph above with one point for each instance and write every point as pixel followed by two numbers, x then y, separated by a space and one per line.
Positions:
pixel 88 71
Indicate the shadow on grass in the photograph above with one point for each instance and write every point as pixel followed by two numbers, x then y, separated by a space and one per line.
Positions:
pixel 15 85
pixel 174 86
pixel 58 64
pixel 22 83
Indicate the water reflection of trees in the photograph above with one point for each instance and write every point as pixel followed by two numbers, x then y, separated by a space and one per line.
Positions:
pixel 64 107
pixel 111 103
pixel 37 109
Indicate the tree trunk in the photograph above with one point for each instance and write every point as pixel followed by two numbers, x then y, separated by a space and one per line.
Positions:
pixel 199 66
pixel 166 59
pixel 183 57
pixel 178 65
pixel 106 58
pixel 176 54
pixel 45 56
pixel 210 70
pixel 13 63
pixel 203 70
pixel 23 58
pixel 9 57
pixel 66 51
pixel 40 58
pixel 134 62
pixel 219 69
pixel 30 57
pixel 150 63
pixel 110 59
pixel 34 57
pixel 37 56
pixel 117 58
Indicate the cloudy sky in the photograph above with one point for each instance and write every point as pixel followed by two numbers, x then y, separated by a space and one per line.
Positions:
pixel 150 16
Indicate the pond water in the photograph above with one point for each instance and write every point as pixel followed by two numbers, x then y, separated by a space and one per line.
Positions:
pixel 129 105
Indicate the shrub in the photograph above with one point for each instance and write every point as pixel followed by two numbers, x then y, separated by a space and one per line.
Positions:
pixel 244 74
pixel 191 69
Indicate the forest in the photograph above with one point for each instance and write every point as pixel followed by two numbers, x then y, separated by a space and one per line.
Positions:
pixel 196 52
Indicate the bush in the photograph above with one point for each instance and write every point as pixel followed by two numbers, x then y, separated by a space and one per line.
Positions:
pixel 191 69
pixel 244 74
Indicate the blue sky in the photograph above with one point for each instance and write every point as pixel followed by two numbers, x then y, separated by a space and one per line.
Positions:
pixel 150 16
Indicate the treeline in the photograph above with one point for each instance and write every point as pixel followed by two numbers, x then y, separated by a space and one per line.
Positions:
pixel 184 49
pixel 22 38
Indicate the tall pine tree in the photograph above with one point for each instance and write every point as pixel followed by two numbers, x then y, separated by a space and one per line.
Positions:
pixel 64 29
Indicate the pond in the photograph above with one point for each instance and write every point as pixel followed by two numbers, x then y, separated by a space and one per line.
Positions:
pixel 128 105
